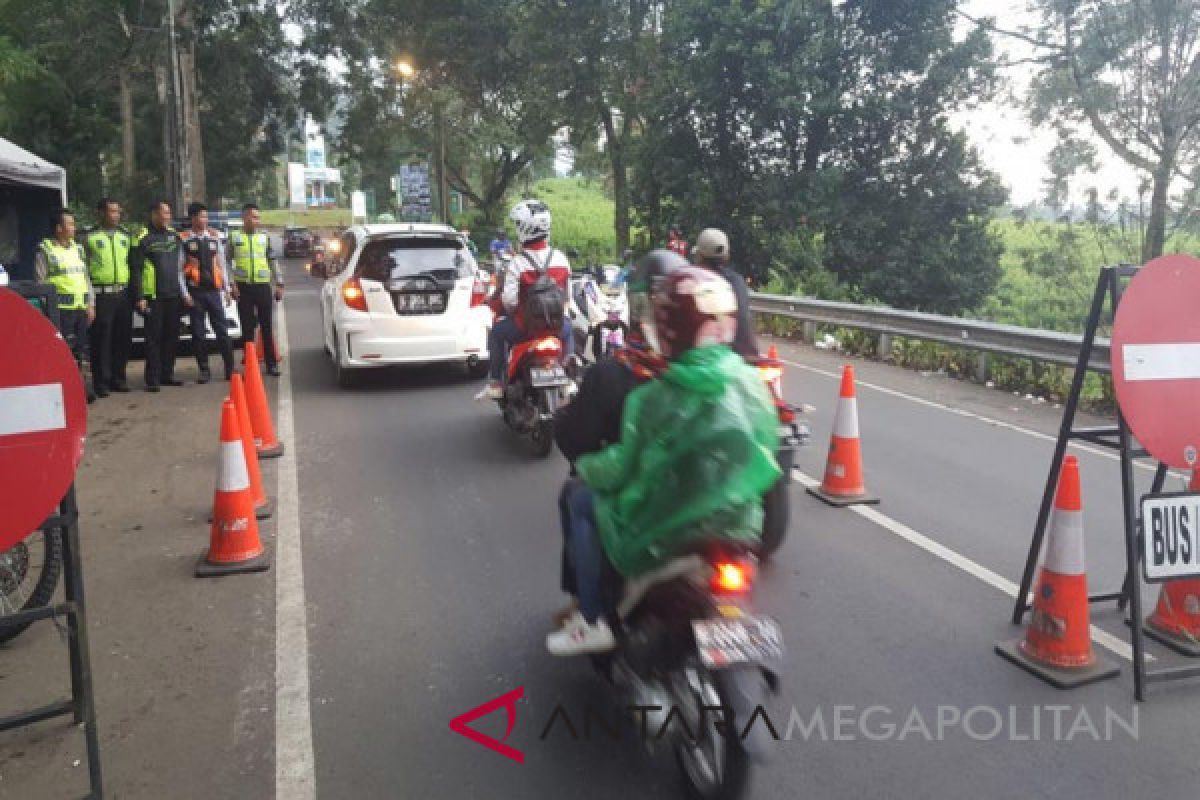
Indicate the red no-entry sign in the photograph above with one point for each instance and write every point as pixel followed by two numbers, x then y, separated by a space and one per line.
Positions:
pixel 1156 358
pixel 43 418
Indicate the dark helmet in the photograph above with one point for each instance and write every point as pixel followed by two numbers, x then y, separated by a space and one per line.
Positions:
pixel 649 270
pixel 676 307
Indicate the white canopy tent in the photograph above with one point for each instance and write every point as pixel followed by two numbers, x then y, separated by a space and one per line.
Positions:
pixel 21 167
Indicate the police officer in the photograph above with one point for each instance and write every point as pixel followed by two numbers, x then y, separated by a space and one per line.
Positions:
pixel 107 247
pixel 204 271
pixel 254 268
pixel 157 287
pixel 61 263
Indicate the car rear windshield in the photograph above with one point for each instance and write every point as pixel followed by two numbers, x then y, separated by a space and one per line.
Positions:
pixel 393 259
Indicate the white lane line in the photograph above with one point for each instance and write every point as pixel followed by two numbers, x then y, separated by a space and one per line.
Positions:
pixel 295 775
pixel 1086 448
pixel 965 564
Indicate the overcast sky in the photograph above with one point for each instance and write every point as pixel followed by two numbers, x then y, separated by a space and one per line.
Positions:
pixel 1009 143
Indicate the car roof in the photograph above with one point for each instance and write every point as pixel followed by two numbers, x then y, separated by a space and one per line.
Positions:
pixel 402 229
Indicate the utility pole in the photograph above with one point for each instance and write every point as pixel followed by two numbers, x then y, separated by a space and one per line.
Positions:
pixel 181 167
pixel 443 201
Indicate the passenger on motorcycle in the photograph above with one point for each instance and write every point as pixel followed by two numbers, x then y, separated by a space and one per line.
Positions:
pixel 531 304
pixel 712 252
pixel 694 454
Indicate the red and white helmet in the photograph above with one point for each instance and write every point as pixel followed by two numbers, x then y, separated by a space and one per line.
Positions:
pixel 693 307
pixel 532 220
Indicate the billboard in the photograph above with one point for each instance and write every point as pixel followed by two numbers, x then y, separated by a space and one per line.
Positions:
pixel 413 192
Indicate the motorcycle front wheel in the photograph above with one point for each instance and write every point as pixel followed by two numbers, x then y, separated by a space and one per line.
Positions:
pixel 28 575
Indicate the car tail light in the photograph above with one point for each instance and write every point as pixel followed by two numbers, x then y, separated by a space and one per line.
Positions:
pixel 548 346
pixel 353 295
pixel 478 293
pixel 732 577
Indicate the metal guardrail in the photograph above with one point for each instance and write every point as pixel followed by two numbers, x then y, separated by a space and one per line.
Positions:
pixel 1050 347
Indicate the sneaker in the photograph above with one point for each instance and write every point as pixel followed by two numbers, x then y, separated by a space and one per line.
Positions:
pixel 577 637
pixel 493 391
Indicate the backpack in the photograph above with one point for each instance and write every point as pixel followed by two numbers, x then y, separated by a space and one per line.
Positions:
pixel 543 308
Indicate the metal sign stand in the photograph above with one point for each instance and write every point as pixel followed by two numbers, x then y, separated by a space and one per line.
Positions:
pixel 65 525
pixel 1110 284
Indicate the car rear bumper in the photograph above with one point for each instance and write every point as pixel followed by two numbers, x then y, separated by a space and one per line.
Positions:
pixel 363 345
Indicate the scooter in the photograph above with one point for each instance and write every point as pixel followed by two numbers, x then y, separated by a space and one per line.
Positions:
pixel 599 312
pixel 536 386
pixel 793 435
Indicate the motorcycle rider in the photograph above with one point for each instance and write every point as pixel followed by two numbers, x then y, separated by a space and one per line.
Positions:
pixel 712 252
pixel 536 259
pixel 651 494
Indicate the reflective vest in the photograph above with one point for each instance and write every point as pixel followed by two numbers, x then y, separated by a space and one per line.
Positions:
pixel 250 263
pixel 108 257
pixel 67 272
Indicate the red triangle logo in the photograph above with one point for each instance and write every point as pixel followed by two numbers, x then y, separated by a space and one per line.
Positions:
pixel 508 701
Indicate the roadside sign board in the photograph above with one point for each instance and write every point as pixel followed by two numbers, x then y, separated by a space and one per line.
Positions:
pixel 1156 358
pixel 1171 536
pixel 43 418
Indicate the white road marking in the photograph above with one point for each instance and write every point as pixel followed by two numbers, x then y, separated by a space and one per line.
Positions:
pixel 1161 362
pixel 32 409
pixel 965 564
pixel 295 775
pixel 1085 448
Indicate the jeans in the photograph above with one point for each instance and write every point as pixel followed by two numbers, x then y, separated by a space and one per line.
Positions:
pixel 111 334
pixel 585 567
pixel 208 303
pixel 162 338
pixel 505 335
pixel 256 306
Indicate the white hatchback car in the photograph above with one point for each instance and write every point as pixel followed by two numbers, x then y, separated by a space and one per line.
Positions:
pixel 403 294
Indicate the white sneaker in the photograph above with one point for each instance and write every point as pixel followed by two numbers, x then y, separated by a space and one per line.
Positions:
pixel 577 637
pixel 493 391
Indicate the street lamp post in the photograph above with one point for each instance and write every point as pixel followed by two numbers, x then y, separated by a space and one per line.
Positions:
pixel 408 72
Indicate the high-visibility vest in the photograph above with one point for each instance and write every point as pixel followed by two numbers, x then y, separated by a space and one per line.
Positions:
pixel 250 263
pixel 67 272
pixel 108 257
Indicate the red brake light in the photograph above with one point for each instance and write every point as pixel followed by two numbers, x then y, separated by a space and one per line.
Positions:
pixel 548 345
pixel 732 577
pixel 478 293
pixel 353 295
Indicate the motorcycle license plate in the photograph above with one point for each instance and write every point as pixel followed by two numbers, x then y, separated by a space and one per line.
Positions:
pixel 741 640
pixel 542 377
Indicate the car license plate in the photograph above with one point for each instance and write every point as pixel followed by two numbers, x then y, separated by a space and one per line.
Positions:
pixel 542 377
pixel 741 640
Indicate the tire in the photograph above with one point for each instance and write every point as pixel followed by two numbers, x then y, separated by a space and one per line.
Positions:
pixel 542 438
pixel 776 509
pixel 50 544
pixel 735 774
pixel 346 377
pixel 480 370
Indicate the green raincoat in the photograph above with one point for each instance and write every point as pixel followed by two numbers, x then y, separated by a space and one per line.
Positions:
pixel 696 454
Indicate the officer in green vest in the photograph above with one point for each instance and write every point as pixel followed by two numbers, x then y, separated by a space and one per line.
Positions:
pixel 60 262
pixel 107 247
pixel 159 293
pixel 255 269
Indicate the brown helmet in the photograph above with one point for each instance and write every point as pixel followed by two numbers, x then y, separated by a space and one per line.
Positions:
pixel 693 307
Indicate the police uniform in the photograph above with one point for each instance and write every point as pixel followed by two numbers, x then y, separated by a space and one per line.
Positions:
pixel 111 332
pixel 204 272
pixel 156 276
pixel 255 269
pixel 65 268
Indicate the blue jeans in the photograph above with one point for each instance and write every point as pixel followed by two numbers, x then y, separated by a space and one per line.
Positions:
pixel 584 562
pixel 505 335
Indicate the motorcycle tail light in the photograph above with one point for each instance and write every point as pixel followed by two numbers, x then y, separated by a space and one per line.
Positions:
pixel 787 414
pixel 547 346
pixel 353 295
pixel 732 577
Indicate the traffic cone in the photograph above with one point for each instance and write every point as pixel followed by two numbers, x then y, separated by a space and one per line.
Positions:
pixel 1176 619
pixel 263 506
pixel 260 415
pixel 262 353
pixel 776 382
pixel 234 544
pixel 843 483
pixel 1058 643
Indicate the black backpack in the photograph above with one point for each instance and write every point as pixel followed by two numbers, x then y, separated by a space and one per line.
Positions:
pixel 544 309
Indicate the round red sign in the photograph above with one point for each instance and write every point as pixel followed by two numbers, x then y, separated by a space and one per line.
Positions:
pixel 1156 358
pixel 43 418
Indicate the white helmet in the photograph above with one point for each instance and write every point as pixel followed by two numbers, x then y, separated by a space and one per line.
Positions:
pixel 532 219
pixel 712 244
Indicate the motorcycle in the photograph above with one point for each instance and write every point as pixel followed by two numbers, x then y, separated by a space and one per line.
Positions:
pixel 694 658
pixel 599 312
pixel 28 576
pixel 792 436
pixel 537 385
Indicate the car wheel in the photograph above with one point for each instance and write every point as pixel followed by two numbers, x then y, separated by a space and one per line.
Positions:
pixel 346 377
pixel 477 370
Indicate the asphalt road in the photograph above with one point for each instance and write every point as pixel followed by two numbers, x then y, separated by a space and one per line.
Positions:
pixel 430 550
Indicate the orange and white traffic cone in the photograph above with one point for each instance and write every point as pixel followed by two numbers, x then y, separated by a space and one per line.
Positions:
pixel 843 483
pixel 776 381
pixel 260 415
pixel 1058 643
pixel 1176 619
pixel 234 544
pixel 263 506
